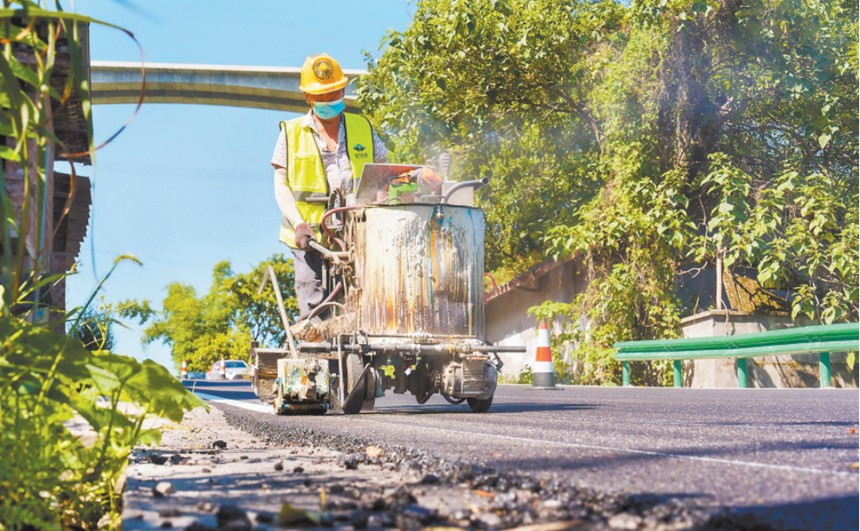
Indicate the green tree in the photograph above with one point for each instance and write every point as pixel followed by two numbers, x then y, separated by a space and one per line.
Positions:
pixel 648 140
pixel 258 312
pixel 500 85
pixel 222 322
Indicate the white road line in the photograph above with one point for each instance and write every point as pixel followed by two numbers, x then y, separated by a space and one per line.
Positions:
pixel 260 408
pixel 263 408
pixel 784 468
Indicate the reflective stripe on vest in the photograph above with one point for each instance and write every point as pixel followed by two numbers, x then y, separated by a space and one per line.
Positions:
pixel 306 175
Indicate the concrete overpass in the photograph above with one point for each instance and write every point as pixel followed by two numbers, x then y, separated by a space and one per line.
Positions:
pixel 256 87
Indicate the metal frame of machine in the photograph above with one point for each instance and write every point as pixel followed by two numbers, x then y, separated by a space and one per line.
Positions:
pixel 405 277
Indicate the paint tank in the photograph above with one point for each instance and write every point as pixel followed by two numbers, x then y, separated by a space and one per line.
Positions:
pixel 420 270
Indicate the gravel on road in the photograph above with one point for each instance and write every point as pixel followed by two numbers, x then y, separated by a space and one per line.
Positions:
pixel 227 469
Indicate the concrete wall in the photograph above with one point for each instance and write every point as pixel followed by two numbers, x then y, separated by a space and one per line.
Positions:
pixel 508 323
pixel 765 371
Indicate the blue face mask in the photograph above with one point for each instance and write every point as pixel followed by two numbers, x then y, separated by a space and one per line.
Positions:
pixel 328 109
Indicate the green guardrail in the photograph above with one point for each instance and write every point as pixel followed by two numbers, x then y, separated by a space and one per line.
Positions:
pixel 822 340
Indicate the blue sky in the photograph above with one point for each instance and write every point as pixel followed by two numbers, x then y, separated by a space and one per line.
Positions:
pixel 186 186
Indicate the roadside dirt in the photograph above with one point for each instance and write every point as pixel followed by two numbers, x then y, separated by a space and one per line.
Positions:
pixel 228 470
pixel 209 475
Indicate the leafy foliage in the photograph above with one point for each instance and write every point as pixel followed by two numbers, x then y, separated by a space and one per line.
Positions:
pixel 50 476
pixel 526 376
pixel 223 322
pixel 797 232
pixel 498 84
pixel 94 329
pixel 646 140
pixel 63 437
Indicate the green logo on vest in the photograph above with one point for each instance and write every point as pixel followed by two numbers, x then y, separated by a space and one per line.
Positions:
pixel 359 152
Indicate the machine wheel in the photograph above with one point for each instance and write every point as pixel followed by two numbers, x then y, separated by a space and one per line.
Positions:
pixel 371 383
pixel 478 405
pixel 354 366
pixel 422 385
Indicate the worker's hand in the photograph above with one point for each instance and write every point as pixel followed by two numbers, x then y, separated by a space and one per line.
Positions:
pixel 427 180
pixel 304 234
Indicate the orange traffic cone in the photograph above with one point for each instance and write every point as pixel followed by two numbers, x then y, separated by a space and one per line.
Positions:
pixel 183 373
pixel 222 371
pixel 543 375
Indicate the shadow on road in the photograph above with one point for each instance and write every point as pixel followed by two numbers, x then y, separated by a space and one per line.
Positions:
pixel 463 409
pixel 838 513
pixel 242 391
pixel 790 423
pixel 709 459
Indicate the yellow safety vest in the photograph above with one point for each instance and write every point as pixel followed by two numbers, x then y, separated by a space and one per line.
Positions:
pixel 306 175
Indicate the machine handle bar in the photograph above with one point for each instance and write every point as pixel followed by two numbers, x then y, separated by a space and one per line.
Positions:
pixel 477 183
pixel 332 255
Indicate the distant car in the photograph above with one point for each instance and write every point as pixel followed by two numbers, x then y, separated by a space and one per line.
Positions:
pixel 234 369
pixel 196 375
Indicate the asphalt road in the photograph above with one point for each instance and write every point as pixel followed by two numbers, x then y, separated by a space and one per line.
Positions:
pixel 791 454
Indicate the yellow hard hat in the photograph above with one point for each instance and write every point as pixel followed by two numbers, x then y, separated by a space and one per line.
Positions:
pixel 322 74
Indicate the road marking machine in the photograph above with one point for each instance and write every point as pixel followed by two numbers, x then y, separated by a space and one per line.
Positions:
pixel 405 270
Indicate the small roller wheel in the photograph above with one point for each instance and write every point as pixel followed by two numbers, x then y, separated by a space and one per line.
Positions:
pixel 452 400
pixel 478 405
pixel 354 367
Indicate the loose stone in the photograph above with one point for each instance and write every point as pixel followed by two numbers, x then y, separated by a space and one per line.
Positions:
pixel 162 489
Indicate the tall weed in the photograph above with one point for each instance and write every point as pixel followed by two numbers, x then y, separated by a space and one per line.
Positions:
pixel 64 437
pixel 66 429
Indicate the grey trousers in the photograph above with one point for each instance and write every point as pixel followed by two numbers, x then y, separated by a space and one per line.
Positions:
pixel 310 291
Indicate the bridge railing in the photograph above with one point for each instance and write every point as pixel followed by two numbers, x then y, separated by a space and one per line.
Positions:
pixel 822 340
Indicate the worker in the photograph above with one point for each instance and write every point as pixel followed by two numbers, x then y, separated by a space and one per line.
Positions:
pixel 315 154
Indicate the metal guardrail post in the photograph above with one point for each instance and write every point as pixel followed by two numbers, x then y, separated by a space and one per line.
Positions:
pixel 742 373
pixel 824 369
pixel 677 366
pixel 625 373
